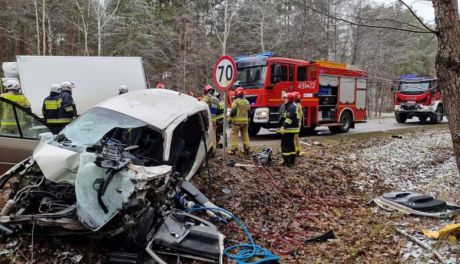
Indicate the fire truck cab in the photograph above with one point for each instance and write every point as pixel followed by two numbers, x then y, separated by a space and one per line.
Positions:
pixel 418 96
pixel 332 94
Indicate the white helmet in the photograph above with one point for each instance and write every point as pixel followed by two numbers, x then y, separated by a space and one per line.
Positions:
pixel 55 88
pixel 123 89
pixel 67 86
pixel 11 85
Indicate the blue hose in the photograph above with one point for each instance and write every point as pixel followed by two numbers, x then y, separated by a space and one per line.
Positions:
pixel 246 252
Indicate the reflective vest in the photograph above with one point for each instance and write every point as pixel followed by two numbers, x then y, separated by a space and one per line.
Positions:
pixel 299 112
pixel 220 111
pixel 213 104
pixel 240 111
pixel 289 119
pixel 8 120
pixel 68 110
pixel 51 107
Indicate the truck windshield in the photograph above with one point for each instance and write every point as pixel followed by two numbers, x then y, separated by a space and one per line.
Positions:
pixel 414 87
pixel 252 77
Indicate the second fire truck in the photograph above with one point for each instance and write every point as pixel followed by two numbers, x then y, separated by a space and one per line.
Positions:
pixel 332 94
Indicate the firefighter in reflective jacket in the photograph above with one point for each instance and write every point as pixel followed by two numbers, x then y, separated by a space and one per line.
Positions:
pixel 51 107
pixel 68 110
pixel 212 101
pixel 299 111
pixel 239 117
pixel 8 122
pixel 288 127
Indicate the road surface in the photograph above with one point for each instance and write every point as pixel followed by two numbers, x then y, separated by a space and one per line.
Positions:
pixel 372 125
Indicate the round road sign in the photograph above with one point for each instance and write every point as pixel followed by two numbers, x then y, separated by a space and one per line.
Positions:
pixel 224 73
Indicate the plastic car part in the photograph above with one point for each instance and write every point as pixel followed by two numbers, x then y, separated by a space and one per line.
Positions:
pixel 416 204
pixel 186 235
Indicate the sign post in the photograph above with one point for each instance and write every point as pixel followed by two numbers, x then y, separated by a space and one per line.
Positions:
pixel 224 76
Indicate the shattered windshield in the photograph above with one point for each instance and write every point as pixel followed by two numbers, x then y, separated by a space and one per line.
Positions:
pixel 252 77
pixel 89 128
pixel 414 86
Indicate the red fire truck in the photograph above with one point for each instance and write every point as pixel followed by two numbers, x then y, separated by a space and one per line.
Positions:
pixel 418 96
pixel 333 94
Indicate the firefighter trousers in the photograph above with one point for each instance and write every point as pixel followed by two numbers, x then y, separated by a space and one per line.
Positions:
pixel 288 148
pixel 298 147
pixel 236 129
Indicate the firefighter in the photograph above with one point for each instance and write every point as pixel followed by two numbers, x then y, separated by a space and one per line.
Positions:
pixel 51 107
pixel 8 121
pixel 160 86
pixel 123 89
pixel 68 109
pixel 299 111
pixel 288 127
pixel 212 102
pixel 239 118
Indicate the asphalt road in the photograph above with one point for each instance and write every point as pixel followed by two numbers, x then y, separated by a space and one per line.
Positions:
pixel 372 125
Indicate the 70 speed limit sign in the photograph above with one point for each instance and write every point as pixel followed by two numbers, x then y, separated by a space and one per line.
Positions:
pixel 224 73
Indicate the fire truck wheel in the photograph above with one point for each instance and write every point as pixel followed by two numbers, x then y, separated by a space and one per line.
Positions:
pixel 400 117
pixel 253 130
pixel 346 121
pixel 436 117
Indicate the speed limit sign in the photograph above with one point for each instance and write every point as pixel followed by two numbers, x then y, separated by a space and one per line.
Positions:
pixel 224 73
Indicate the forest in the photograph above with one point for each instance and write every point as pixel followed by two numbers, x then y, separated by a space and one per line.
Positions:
pixel 179 40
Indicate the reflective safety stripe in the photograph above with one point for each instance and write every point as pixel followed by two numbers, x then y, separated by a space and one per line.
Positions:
pixel 288 121
pixel 52 104
pixel 220 117
pixel 292 130
pixel 59 120
pixel 288 153
pixel 69 109
pixel 240 119
pixel 8 123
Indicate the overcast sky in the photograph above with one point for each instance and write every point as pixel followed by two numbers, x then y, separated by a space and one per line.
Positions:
pixel 423 8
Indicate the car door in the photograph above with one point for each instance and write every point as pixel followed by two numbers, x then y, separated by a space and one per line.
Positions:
pixel 18 140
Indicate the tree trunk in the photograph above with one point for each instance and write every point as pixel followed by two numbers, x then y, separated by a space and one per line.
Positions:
pixel 448 64
pixel 99 36
pixel 37 27
pixel 44 26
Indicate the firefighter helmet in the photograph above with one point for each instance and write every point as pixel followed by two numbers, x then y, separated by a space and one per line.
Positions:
pixel 296 95
pixel 123 89
pixel 290 97
pixel 239 92
pixel 11 85
pixel 208 89
pixel 55 88
pixel 160 86
pixel 67 86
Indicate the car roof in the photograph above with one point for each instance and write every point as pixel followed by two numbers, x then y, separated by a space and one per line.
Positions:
pixel 158 107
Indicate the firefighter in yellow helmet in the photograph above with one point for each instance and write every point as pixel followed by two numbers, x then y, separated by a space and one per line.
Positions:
pixel 299 111
pixel 239 117
pixel 8 122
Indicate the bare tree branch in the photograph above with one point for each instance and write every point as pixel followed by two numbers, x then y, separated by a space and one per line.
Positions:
pixel 417 17
pixel 360 24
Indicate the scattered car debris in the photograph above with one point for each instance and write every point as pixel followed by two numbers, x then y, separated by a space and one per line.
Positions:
pixel 322 238
pixel 448 230
pixel 264 157
pixel 416 204
pixel 397 136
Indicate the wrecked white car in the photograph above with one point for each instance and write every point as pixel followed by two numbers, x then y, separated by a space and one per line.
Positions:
pixel 121 168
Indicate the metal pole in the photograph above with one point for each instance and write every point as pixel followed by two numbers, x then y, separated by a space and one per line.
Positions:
pixel 224 132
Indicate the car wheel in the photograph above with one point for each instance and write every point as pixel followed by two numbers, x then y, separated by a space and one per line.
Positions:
pixel 436 117
pixel 253 129
pixel 400 117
